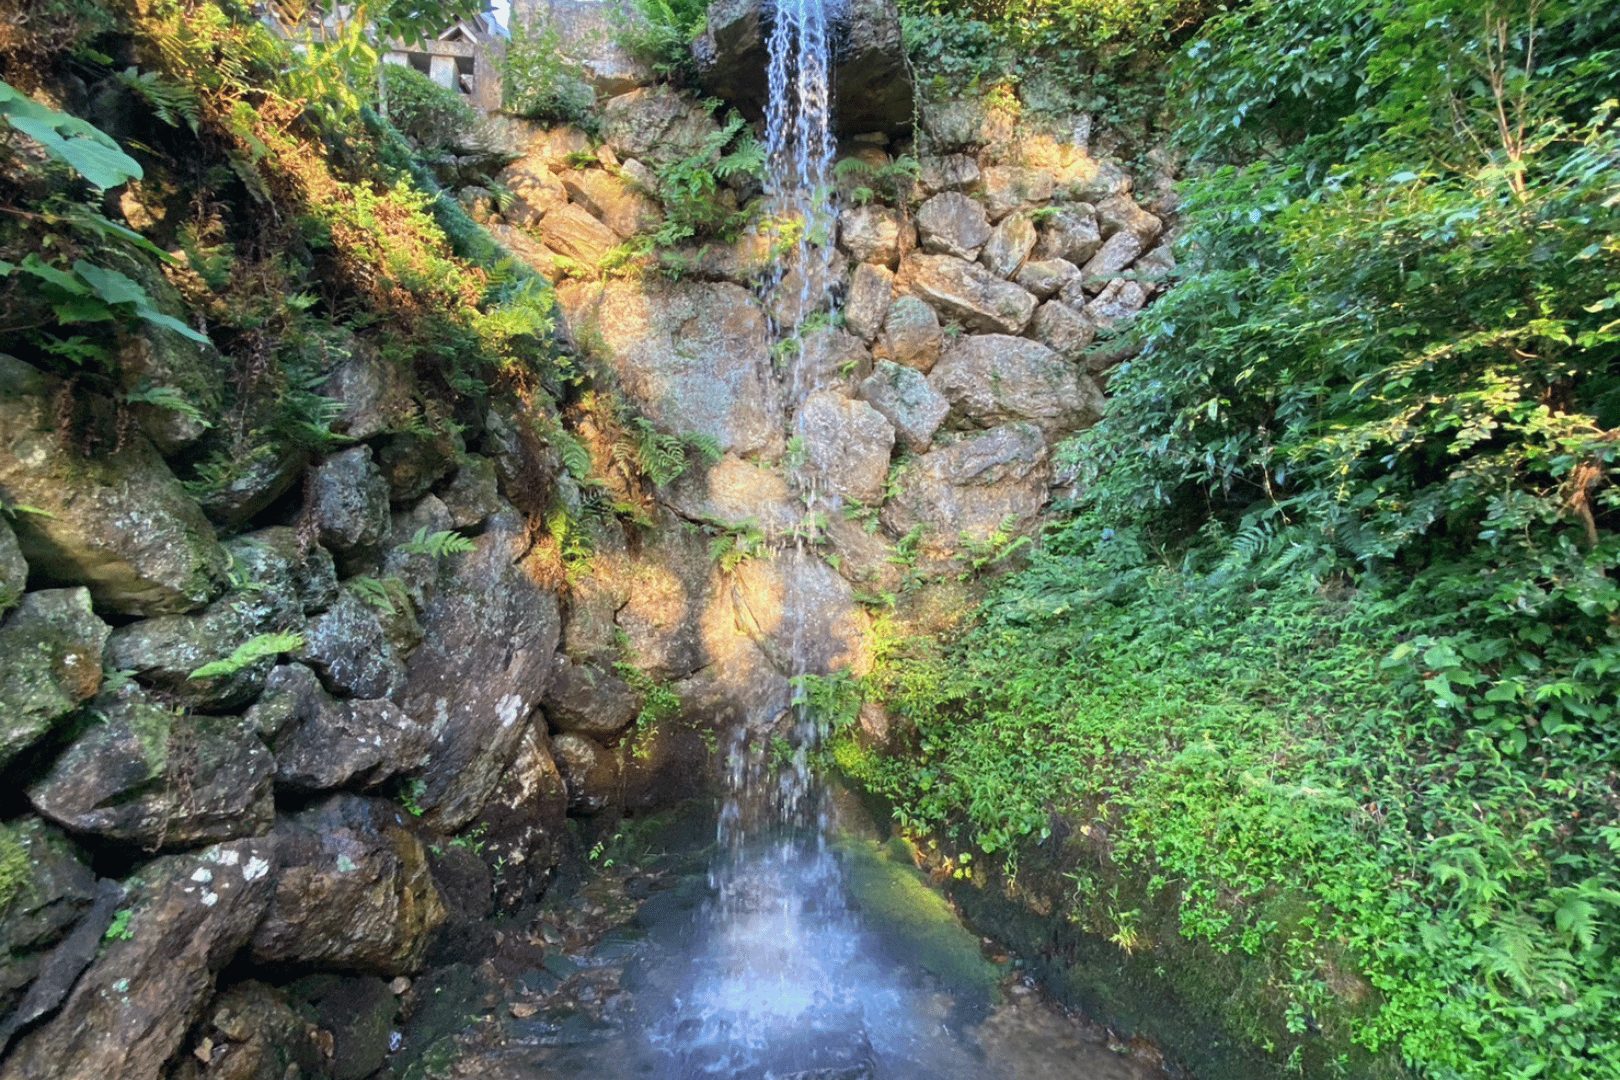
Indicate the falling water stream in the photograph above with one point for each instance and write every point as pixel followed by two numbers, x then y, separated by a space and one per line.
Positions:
pixel 796 952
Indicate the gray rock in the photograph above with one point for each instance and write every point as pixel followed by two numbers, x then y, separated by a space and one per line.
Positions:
pixel 524 820
pixel 1046 277
pixel 322 743
pixel 156 358
pixel 1015 187
pixel 249 1032
pixel 871 78
pixel 588 700
pixel 875 234
pixel 991 379
pixel 572 232
pixel 693 356
pixel 352 890
pixel 50 662
pixel 1112 259
pixel 472 494
pixel 1062 329
pixel 1070 234
pixel 13 569
pixel 611 201
pixel 830 357
pixel 128 1012
pixel 1009 245
pixel 903 395
pixel 654 125
pixel 589 771
pixel 374 394
pixel 536 190
pixel 491 630
pixel 121 524
pixel 57 970
pixel 1155 268
pixel 259 475
pixel 967 292
pixel 413 463
pixel 146 775
pixel 349 501
pixel 911 334
pixel 950 223
pixel 289 571
pixel 1117 304
pixel 948 172
pixel 1093 180
pixel 1121 213
pixel 847 444
pixel 664 767
pixel 871 291
pixel 968 490
pixel 954 124
pixel 47 889
pixel 349 648
pixel 731 56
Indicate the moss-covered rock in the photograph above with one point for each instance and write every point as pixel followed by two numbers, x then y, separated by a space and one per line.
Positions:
pixel 118 523
pixel 45 887
pixel 50 661
pixel 13 569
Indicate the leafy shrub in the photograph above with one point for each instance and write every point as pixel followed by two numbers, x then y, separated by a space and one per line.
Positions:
pixel 660 33
pixel 540 82
pixel 431 116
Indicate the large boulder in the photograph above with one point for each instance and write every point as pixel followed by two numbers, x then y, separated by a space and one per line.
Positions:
pixel 912 336
pixel 611 200
pixel 349 501
pixel 655 125
pixel 155 358
pixel 1015 187
pixel 320 742
pixel 734 493
pixel 372 394
pixel 483 666
pixel 120 524
pixel 588 700
pixel 472 494
pixel 905 398
pixel 1009 245
pixel 350 649
pixel 1069 233
pixel 991 379
pixel 250 1032
pixel 523 822
pixel 589 770
pixel 871 290
pixel 572 232
pixel 1062 329
pixel 189 914
pixel 693 356
pixel 50 662
pixel 952 224
pixel 164 650
pixel 145 775
pixel 285 570
pixel 967 292
pixel 846 444
pixel 967 491
pixel 352 890
pixel 875 234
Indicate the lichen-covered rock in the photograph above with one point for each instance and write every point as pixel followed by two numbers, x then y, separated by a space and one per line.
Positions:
pixel 1014 187
pixel 967 292
pixel 572 232
pixel 829 356
pixel 955 123
pixel 905 398
pixel 1070 234
pixel 373 393
pixel 911 334
pixel 948 172
pixel 1095 179
pixel 588 700
pixel 1155 268
pixel 693 356
pixel 13 569
pixel 872 79
pixel 164 650
pixel 871 290
pixel 953 224
pixel 349 501
pixel 991 379
pixel 1046 277
pixel 611 201
pixel 352 890
pixel 320 742
pixel 348 647
pixel 491 630
pixel 968 490
pixel 875 234
pixel 590 772
pixel 654 124
pixel 50 662
pixel 146 775
pixel 1009 245
pixel 413 463
pixel 472 494
pixel 289 572
pixel 847 444
pixel 258 475
pixel 1112 259
pixel 1062 329
pixel 45 888
pixel 1117 304
pixel 119 524
pixel 189 915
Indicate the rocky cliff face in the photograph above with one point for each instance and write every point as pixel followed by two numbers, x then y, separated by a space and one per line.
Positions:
pixel 259 727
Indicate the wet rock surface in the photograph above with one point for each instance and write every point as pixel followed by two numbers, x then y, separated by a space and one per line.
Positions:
pixel 50 661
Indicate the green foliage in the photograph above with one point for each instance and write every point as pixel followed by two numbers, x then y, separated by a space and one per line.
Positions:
pixel 249 652
pixel 659 701
pixel 387 594
pixel 80 146
pixel 437 545
pixel 16 871
pixel 430 115
pixel 690 187
pixel 540 82
pixel 118 929
pixel 659 457
pixel 171 102
pixel 735 546
pixel 661 32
